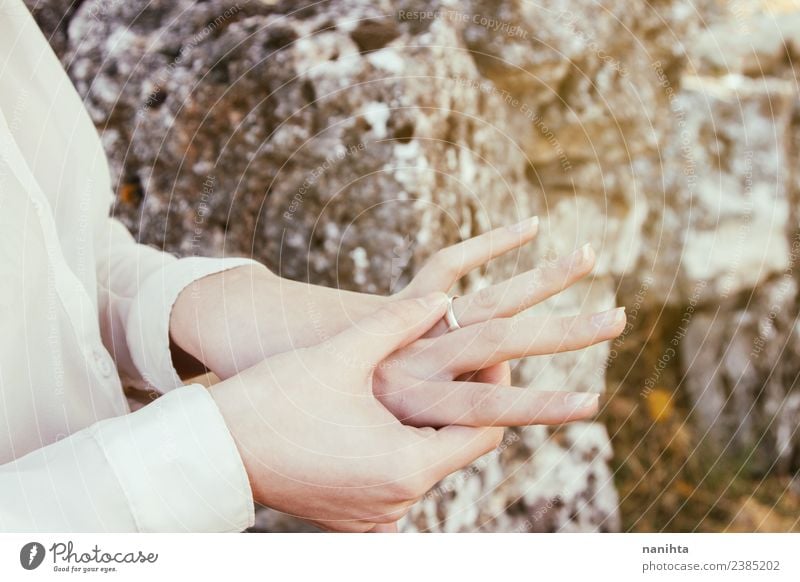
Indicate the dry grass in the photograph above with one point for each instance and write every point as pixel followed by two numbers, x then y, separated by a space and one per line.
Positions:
pixel 668 477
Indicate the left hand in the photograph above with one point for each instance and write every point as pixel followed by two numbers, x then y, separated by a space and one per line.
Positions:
pixel 233 320
pixel 315 442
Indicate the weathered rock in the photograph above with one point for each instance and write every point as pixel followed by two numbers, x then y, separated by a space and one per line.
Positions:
pixel 741 249
pixel 588 107
pixel 310 142
pixel 723 220
pixel 743 365
pixel 740 220
pixel 756 45
pixel 567 486
pixel 343 143
pixel 52 17
pixel 307 143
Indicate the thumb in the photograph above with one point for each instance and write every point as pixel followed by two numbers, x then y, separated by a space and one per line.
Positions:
pixel 395 325
pixel 454 447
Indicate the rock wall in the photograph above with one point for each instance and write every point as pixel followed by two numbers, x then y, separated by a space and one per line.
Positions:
pixel 335 141
pixel 741 352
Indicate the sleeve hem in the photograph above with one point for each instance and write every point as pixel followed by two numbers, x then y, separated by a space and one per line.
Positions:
pixel 178 465
pixel 92 433
pixel 148 321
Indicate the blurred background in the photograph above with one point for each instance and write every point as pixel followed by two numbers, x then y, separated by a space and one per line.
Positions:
pixel 342 142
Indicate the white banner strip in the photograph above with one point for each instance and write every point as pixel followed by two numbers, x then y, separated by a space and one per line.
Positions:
pixel 406 557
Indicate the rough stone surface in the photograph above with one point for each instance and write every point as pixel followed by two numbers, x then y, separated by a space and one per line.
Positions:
pixel 743 375
pixel 751 44
pixel 741 351
pixel 337 140
pixel 731 195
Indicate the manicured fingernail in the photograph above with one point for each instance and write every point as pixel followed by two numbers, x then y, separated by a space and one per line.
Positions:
pixel 608 318
pixel 581 256
pixel 581 400
pixel 432 300
pixel 524 226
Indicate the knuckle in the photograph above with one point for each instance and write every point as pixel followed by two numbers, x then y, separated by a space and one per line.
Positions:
pixel 411 487
pixel 481 399
pixel 485 298
pixel 536 286
pixel 539 280
pixel 399 490
pixel 566 325
pixel 398 403
pixel 406 484
pixel 538 276
pixel 448 261
pixel 392 316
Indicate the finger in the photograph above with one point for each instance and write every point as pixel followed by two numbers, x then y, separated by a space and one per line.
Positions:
pixel 497 374
pixel 384 528
pixel 523 291
pixel 448 265
pixel 520 292
pixel 454 447
pixel 393 326
pixel 477 404
pixel 485 344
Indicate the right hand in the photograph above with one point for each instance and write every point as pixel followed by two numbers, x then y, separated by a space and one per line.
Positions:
pixel 318 445
pixel 234 319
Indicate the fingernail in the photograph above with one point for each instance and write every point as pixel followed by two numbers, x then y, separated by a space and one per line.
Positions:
pixel 608 318
pixel 581 256
pixel 432 300
pixel 524 226
pixel 581 400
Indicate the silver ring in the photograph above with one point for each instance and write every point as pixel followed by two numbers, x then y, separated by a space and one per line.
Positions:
pixel 450 316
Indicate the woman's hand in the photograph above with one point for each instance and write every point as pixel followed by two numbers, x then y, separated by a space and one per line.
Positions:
pixel 316 443
pixel 502 300
pixel 417 386
pixel 232 320
pixel 505 299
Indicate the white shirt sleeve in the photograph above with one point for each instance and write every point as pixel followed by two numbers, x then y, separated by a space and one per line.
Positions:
pixel 170 467
pixel 72 457
pixel 137 287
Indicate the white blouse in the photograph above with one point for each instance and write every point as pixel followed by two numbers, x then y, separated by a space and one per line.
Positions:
pixel 75 289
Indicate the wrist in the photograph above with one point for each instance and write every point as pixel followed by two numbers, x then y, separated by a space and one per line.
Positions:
pixel 237 398
pixel 203 310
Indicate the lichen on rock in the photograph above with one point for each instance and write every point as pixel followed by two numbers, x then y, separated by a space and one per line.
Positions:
pixel 342 143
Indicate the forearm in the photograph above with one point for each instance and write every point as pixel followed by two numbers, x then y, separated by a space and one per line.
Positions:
pixel 232 320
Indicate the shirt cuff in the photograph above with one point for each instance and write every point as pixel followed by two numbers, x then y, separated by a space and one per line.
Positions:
pixel 148 321
pixel 178 465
